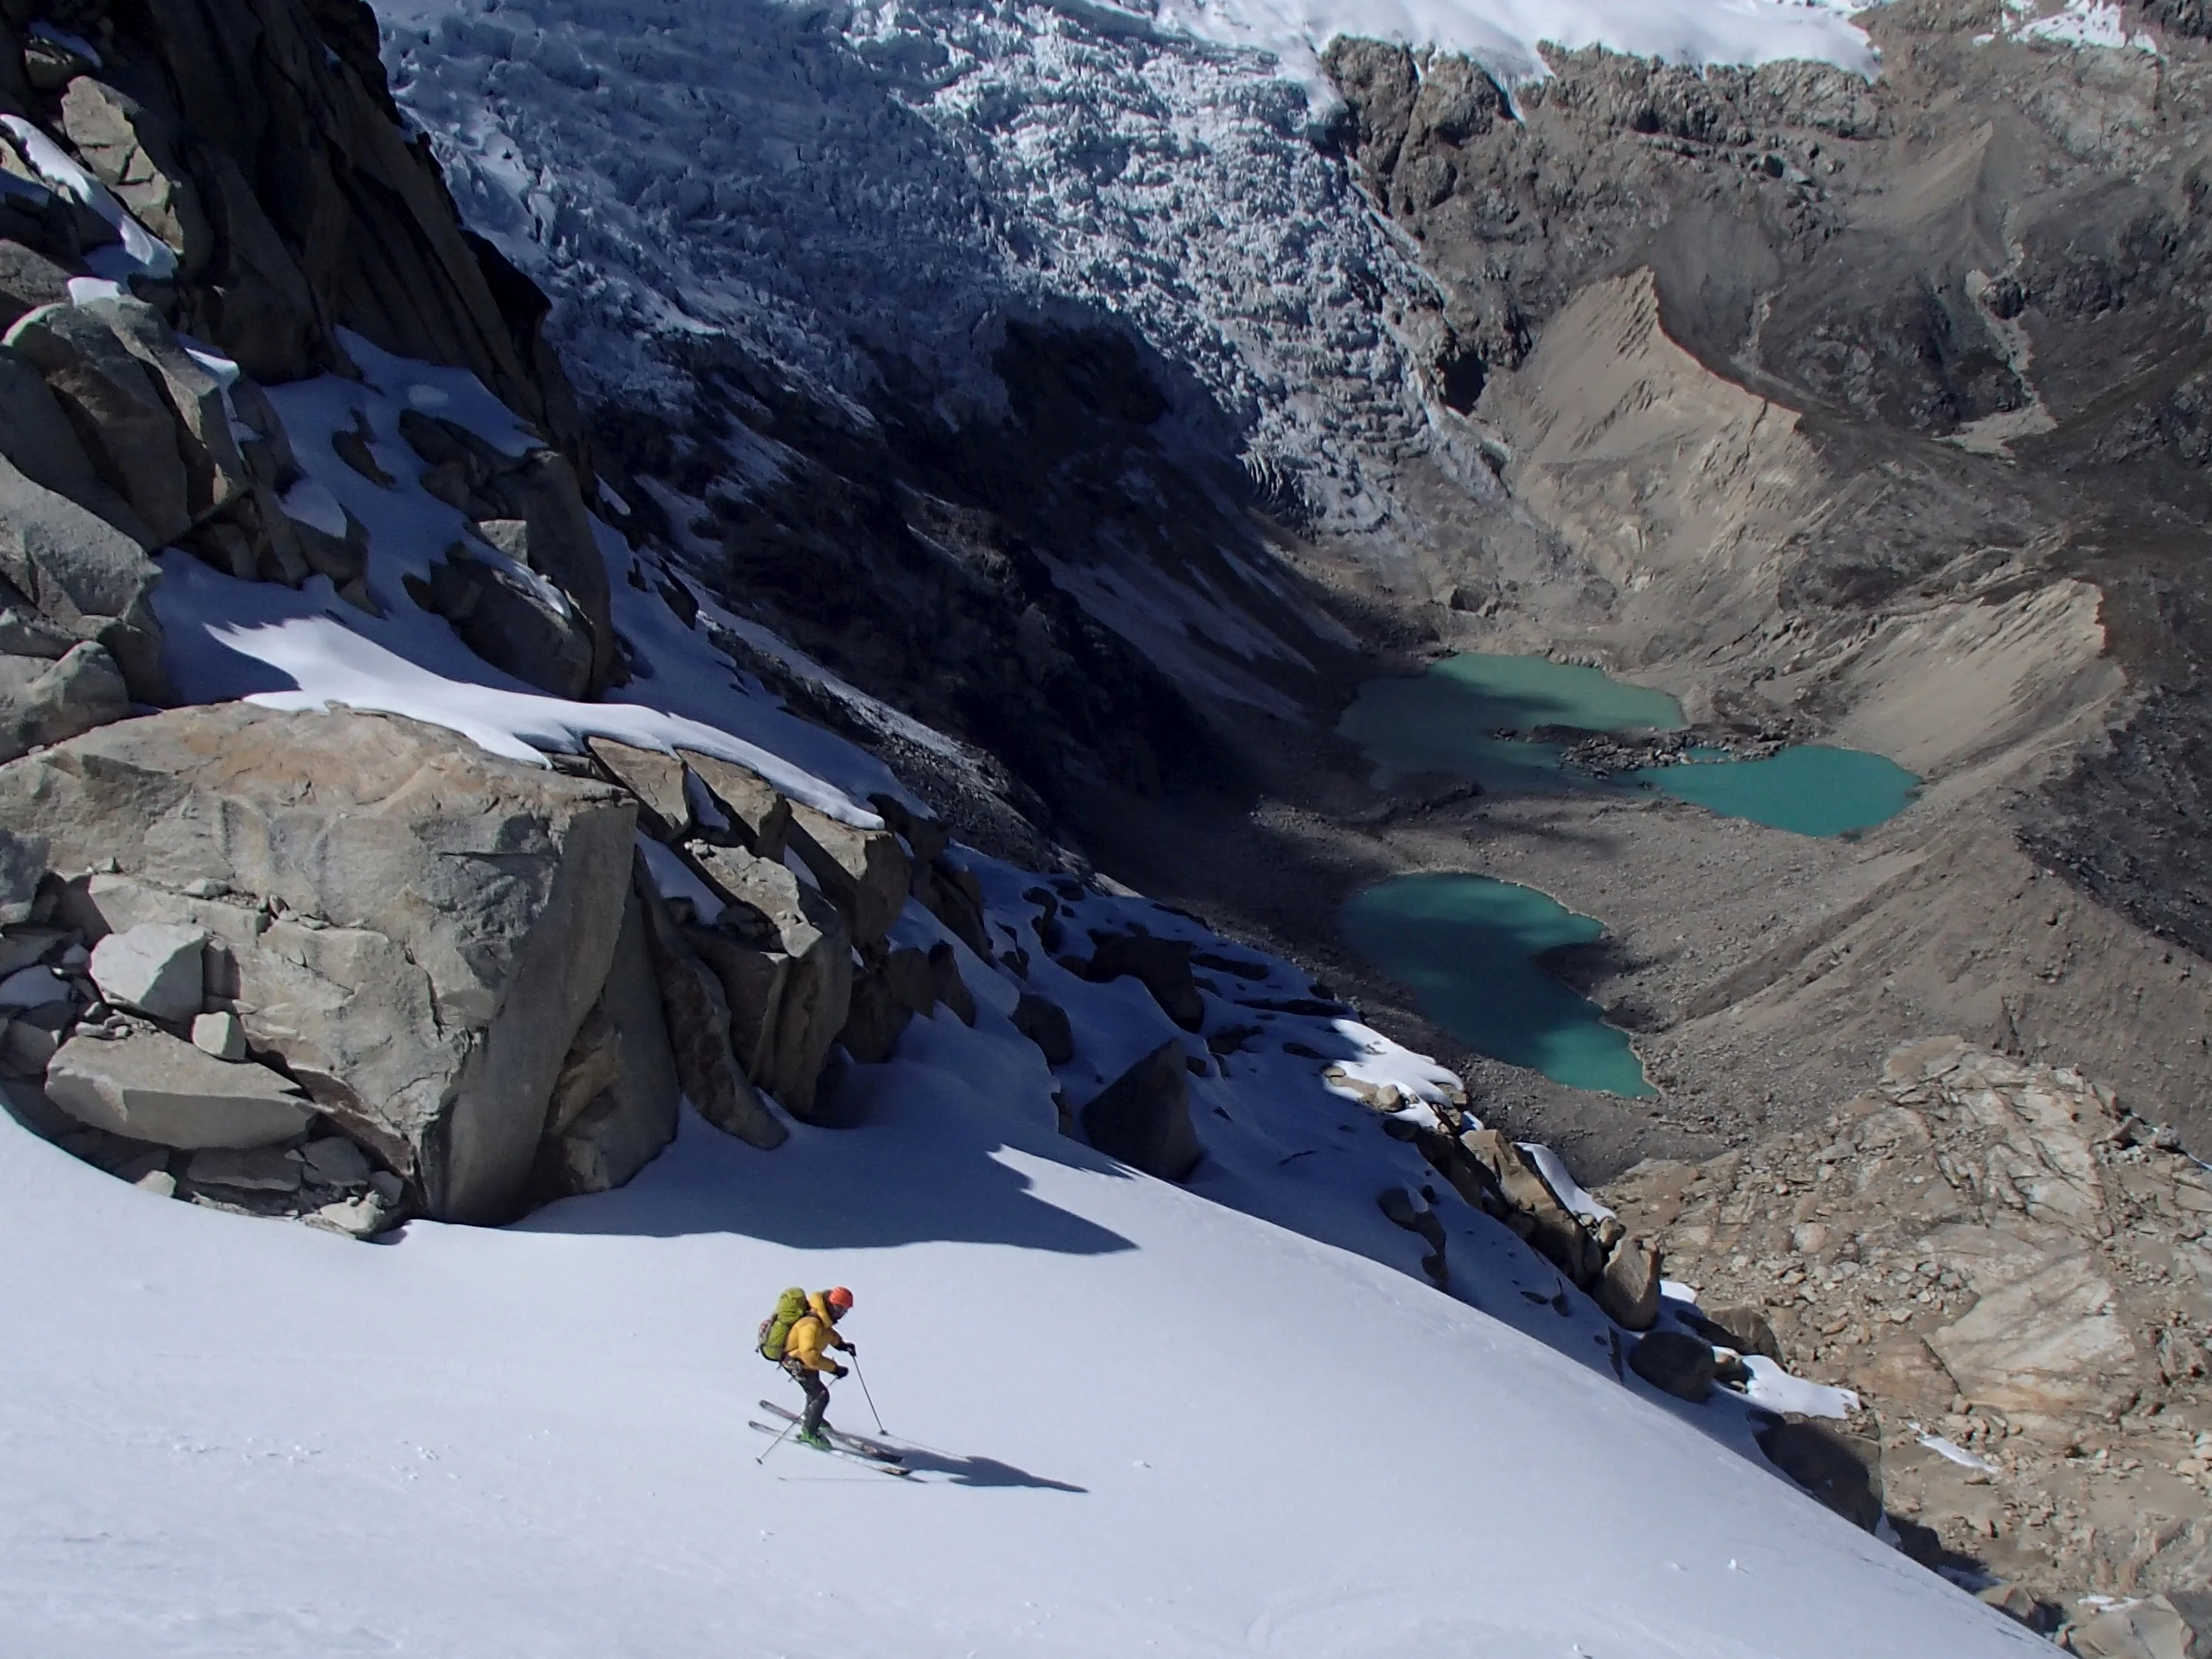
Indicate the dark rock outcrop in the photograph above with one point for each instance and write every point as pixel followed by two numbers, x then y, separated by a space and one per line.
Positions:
pixel 1680 1364
pixel 1162 965
pixel 1044 1023
pixel 1840 1468
pixel 262 136
pixel 1143 1117
pixel 698 1015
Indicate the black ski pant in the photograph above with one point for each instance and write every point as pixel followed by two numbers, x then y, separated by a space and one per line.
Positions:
pixel 817 1393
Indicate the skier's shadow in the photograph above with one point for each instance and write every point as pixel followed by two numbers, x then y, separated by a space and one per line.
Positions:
pixel 975 1471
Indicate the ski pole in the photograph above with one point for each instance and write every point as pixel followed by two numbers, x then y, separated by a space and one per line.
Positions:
pixel 778 1441
pixel 867 1396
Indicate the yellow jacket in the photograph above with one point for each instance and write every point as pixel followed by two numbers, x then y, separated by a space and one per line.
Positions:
pixel 814 1333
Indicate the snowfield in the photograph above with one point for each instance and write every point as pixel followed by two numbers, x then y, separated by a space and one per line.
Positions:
pixel 1504 35
pixel 1152 1426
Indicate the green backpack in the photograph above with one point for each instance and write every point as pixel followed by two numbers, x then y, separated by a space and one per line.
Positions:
pixel 775 1329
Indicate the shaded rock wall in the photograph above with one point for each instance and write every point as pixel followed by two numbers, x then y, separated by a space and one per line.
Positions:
pixel 260 138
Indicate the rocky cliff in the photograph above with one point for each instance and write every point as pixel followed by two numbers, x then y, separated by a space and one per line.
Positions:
pixel 339 964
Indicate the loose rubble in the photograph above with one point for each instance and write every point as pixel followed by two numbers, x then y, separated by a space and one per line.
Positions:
pixel 2009 1268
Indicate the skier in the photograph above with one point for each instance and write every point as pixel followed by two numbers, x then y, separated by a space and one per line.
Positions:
pixel 805 1359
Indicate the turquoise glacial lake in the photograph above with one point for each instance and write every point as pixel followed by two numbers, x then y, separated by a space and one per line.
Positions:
pixel 1446 720
pixel 1464 944
pixel 1465 947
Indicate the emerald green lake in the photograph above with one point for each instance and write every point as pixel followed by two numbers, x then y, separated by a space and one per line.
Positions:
pixel 1465 945
pixel 1811 790
pixel 1446 720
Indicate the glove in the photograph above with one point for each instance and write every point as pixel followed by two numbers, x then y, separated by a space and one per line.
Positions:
pixel 838 1371
pixel 854 1349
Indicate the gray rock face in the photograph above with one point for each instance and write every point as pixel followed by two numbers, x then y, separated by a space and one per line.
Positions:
pixel 759 816
pixel 260 307
pixel 1552 1229
pixel 508 618
pixel 214 470
pixel 875 1021
pixel 23 866
pixel 784 954
pixel 327 212
pixel 1143 1117
pixel 2150 1628
pixel 557 540
pixel 27 280
pixel 1746 1329
pixel 952 895
pixel 865 872
pixel 417 928
pixel 1842 1469
pixel 1162 965
pixel 38 437
pixel 135 154
pixel 697 1013
pixel 150 1086
pixel 531 507
pixel 51 700
pixel 658 782
pixel 263 1170
pixel 83 576
pixel 946 985
pixel 125 423
pixel 1628 1289
pixel 905 974
pixel 156 967
pixel 619 1126
pixel 1045 1023
pixel 336 1162
pixel 220 1035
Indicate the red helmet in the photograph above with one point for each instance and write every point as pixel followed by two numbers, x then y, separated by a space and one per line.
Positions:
pixel 841 1298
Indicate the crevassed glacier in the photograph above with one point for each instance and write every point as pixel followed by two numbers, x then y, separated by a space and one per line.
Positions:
pixel 849 190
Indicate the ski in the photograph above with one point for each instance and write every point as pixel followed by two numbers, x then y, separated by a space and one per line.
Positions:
pixel 876 1463
pixel 859 1444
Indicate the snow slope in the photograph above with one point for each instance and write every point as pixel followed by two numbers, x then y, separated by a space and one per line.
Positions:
pixel 1155 1425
